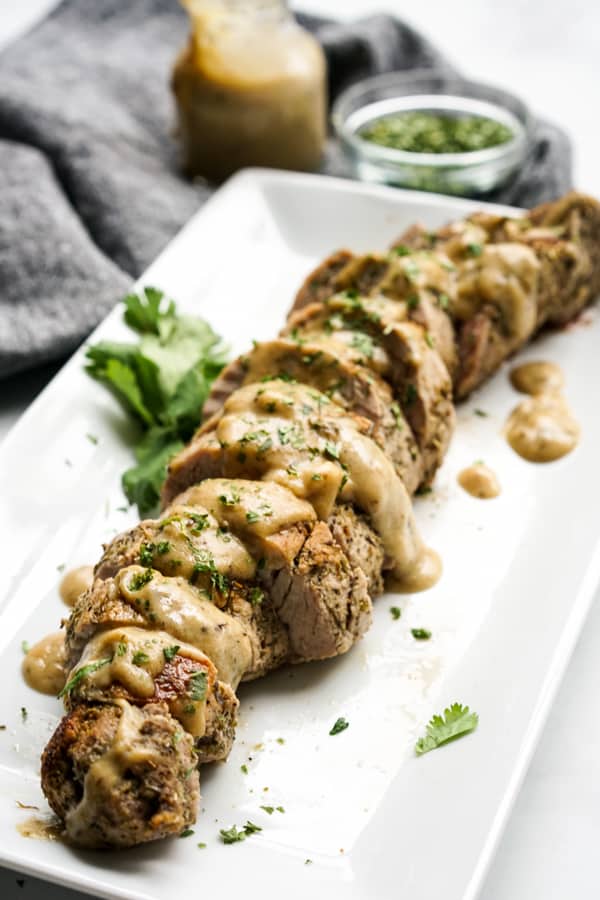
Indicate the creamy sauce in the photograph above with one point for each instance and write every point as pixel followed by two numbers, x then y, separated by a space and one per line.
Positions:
pixel 50 829
pixel 188 534
pixel 135 658
pixel 74 583
pixel 240 106
pixel 506 277
pixel 479 481
pixel 176 607
pixel 293 435
pixel 44 665
pixel 541 428
pixel 537 378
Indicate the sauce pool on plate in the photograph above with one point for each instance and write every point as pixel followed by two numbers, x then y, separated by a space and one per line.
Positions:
pixel 542 427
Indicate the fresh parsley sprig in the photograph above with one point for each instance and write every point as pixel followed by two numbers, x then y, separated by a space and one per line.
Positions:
pixel 162 381
pixel 457 721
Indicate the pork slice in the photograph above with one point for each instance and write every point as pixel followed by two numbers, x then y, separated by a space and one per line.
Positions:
pixel 361 545
pixel 320 282
pixel 349 385
pixel 323 599
pixel 154 788
pixel 297 551
pixel 402 353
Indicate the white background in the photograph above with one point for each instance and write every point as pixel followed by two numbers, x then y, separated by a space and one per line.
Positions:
pixel 549 53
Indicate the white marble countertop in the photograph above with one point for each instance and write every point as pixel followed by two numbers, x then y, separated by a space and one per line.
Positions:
pixel 549 54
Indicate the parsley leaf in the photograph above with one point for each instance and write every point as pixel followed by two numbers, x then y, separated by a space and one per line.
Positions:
pixel 162 381
pixel 456 722
pixel 82 673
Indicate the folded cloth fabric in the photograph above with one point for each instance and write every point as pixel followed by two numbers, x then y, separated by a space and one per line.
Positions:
pixel 90 188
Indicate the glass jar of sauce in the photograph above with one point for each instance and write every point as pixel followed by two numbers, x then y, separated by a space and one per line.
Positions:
pixel 250 89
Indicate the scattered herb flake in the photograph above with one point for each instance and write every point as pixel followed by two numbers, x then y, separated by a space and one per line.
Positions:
pixel 186 832
pixel 474 249
pixel 244 768
pixel 395 612
pixel 268 809
pixel 480 412
pixel 420 634
pixel 340 725
pixel 92 438
pixel 24 646
pixel 24 714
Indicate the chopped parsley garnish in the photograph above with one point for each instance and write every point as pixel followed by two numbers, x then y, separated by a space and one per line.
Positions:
pixel 230 500
pixel 423 489
pixel 187 832
pixel 256 596
pixel 234 835
pixel 280 740
pixel 413 301
pixel 82 673
pixel 197 685
pixel 420 634
pixel 244 769
pixel 395 612
pixel 443 301
pixel 363 343
pixel 252 516
pixel 92 438
pixel 480 412
pixel 456 721
pixel 331 450
pixel 24 646
pixel 121 649
pixel 410 394
pixel 340 725
pixel 397 414
pixel 402 250
pixel 201 845
pixel 171 652
pixel 474 249
pixel 269 810
pixel 140 580
pixel 140 658
pixel 429 340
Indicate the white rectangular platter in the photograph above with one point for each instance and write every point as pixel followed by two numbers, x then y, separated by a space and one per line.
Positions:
pixel 374 820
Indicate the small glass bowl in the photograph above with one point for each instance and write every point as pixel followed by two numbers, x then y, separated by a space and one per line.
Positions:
pixel 474 173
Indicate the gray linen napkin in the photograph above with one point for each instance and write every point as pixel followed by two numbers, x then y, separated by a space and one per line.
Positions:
pixel 90 189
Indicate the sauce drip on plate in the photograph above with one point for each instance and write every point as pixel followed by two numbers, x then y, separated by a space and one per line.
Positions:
pixel 479 481
pixel 44 665
pixel 542 427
